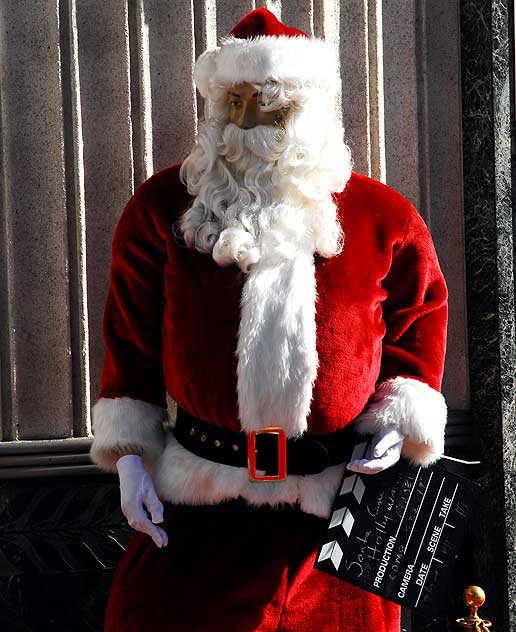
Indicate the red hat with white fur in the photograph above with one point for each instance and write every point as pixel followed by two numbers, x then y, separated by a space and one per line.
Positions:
pixel 261 48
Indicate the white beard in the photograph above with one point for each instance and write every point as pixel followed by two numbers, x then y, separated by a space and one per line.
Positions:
pixel 264 224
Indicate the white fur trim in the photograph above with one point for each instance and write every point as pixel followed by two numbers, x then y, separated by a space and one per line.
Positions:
pixel 122 423
pixel 182 477
pixel 416 409
pixel 282 58
pixel 276 349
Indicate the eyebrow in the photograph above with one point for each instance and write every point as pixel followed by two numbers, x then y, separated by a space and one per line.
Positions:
pixel 235 94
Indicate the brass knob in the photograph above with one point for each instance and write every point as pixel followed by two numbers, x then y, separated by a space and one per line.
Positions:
pixel 474 597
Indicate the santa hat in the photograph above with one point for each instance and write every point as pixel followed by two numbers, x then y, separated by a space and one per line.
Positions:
pixel 261 48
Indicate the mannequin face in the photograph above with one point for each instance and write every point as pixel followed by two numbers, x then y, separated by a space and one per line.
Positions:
pixel 245 111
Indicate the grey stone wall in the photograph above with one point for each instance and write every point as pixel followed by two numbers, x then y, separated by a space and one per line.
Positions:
pixel 96 96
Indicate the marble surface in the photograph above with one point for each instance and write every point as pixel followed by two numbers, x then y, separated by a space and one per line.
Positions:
pixel 487 55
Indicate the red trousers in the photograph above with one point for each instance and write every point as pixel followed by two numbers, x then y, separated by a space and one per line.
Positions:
pixel 233 568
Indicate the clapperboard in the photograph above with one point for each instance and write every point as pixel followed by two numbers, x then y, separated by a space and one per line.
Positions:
pixel 396 533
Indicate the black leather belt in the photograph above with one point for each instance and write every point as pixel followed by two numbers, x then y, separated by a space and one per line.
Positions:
pixel 309 454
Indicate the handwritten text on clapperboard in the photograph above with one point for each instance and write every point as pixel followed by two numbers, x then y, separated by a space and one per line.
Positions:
pixel 397 532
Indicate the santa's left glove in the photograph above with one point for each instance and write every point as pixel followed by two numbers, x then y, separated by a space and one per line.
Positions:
pixel 136 491
pixel 384 451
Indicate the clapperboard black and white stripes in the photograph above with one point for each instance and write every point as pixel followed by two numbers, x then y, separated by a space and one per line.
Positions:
pixel 396 533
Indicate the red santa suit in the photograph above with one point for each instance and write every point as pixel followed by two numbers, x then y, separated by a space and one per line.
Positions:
pixel 241 553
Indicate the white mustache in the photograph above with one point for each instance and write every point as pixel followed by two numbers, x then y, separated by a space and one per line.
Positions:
pixel 263 141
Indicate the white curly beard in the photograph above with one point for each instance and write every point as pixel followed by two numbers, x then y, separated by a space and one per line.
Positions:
pixel 262 209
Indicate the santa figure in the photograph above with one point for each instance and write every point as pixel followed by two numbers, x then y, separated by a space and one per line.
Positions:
pixel 287 305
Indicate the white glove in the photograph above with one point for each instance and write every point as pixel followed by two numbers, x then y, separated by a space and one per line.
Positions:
pixel 137 489
pixel 383 452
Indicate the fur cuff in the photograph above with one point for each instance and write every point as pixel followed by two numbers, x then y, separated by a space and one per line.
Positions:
pixel 416 409
pixel 125 425
pixel 182 477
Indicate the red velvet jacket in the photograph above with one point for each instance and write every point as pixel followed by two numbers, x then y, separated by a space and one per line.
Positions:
pixel 171 323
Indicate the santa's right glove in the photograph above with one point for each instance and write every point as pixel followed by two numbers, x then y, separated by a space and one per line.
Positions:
pixel 137 490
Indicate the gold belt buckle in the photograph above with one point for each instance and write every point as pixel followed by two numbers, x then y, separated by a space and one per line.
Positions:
pixel 282 454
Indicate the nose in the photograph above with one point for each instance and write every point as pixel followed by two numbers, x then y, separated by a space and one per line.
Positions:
pixel 249 116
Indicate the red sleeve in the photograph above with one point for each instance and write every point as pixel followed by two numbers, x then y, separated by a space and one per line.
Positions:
pixel 416 309
pixel 133 314
pixel 132 399
pixel 415 312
